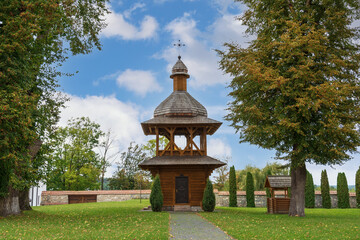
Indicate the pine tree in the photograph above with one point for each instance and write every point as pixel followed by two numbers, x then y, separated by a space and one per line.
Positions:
pixel 208 202
pixel 250 197
pixel 309 191
pixel 357 187
pixel 325 190
pixel 156 196
pixel 295 88
pixel 232 191
pixel 342 191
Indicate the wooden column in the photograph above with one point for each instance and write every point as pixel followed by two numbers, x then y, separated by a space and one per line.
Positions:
pixel 157 141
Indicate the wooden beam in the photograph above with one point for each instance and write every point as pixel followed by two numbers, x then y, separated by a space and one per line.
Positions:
pixel 157 141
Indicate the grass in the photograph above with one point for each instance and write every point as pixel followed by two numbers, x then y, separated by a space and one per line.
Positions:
pixel 123 220
pixel 111 220
pixel 254 223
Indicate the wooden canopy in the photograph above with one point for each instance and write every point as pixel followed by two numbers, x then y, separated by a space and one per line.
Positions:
pixel 277 182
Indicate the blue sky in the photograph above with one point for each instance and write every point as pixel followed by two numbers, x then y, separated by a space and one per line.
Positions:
pixel 120 86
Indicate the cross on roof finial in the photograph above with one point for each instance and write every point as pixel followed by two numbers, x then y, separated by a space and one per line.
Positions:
pixel 179 45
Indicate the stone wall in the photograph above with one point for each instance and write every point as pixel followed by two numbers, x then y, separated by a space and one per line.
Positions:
pixel 222 197
pixel 62 197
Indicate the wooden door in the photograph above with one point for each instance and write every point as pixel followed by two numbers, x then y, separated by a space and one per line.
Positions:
pixel 82 198
pixel 181 189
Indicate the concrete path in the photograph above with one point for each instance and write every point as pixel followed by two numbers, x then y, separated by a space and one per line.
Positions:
pixel 187 225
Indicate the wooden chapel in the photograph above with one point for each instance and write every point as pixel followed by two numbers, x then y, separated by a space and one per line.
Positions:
pixel 183 171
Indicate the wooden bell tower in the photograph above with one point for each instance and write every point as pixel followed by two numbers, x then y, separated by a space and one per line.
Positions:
pixel 183 171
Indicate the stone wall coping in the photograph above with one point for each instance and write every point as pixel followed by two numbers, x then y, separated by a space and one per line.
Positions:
pixel 96 192
pixel 130 192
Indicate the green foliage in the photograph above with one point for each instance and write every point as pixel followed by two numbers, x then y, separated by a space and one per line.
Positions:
pixel 74 165
pixel 105 220
pixel 295 88
pixel 150 146
pixel 259 175
pixel 357 187
pixel 253 223
pixel 36 37
pixel 309 191
pixel 156 196
pixel 208 202
pixel 221 177
pixel 128 174
pixel 342 191
pixel 325 190
pixel 304 65
pixel 250 196
pixel 233 188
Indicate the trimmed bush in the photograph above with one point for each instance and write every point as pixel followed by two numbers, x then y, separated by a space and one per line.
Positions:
pixel 250 197
pixel 325 190
pixel 156 196
pixel 342 191
pixel 232 191
pixel 309 191
pixel 357 187
pixel 208 202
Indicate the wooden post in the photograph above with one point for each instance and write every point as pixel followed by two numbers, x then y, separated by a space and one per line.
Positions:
pixel 157 141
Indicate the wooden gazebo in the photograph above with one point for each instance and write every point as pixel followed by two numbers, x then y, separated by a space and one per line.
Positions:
pixel 278 204
pixel 183 171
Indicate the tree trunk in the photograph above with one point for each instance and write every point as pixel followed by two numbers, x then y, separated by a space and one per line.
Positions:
pixel 297 201
pixel 24 200
pixel 10 204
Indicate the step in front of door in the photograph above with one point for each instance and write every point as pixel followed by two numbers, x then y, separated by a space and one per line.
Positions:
pixel 182 208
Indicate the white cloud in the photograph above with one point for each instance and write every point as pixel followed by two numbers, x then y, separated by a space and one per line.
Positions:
pixel 199 53
pixel 122 118
pixel 128 12
pixel 218 148
pixel 117 26
pixel 138 81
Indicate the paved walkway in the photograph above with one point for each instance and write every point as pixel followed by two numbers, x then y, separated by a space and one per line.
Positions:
pixel 187 225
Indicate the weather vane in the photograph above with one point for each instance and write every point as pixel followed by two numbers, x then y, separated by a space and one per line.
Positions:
pixel 179 45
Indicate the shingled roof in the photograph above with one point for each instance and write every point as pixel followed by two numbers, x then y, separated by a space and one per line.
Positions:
pixel 180 103
pixel 278 181
pixel 180 160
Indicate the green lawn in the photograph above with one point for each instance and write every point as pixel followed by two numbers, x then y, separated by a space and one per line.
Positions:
pixel 113 220
pixel 254 223
pixel 123 220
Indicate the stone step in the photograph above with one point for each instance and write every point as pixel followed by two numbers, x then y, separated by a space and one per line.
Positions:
pixel 182 208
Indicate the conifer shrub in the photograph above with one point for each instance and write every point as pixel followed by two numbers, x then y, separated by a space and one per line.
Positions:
pixel 342 191
pixel 268 193
pixel 208 202
pixel 357 187
pixel 156 196
pixel 325 190
pixel 309 191
pixel 250 197
pixel 232 191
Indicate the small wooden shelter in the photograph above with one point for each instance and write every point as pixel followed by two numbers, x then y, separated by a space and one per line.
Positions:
pixel 278 183
pixel 183 170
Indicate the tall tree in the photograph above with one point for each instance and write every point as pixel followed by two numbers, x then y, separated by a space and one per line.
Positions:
pixel 221 177
pixel 325 190
pixel 250 196
pixel 357 187
pixel 342 191
pixel 296 87
pixel 74 165
pixel 36 36
pixel 107 154
pixel 233 188
pixel 128 174
pixel 309 191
